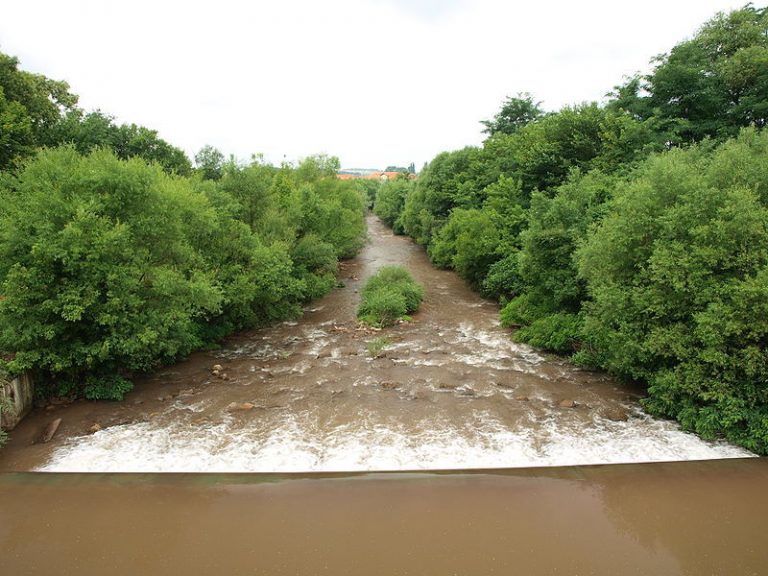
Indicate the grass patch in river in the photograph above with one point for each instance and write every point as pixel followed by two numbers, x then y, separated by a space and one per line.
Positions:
pixel 377 345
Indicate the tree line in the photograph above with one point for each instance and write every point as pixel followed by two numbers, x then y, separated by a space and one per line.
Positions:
pixel 632 235
pixel 116 255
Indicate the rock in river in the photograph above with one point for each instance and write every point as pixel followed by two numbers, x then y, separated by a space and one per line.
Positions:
pixel 50 431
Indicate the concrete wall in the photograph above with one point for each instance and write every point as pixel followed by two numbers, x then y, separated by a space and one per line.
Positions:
pixel 17 396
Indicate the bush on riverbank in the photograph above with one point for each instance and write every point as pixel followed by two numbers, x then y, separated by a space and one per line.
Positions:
pixel 388 296
pixel 110 267
pixel 630 235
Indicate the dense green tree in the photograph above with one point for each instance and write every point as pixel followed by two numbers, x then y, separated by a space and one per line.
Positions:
pixel 319 166
pixel 710 85
pixel 677 273
pixel 138 141
pixel 251 187
pixel 210 162
pixel 551 292
pixel 470 243
pixel 98 130
pixel 31 105
pixel 315 265
pixel 16 138
pixel 608 234
pixel 514 114
pixel 369 188
pixel 109 267
pixel 337 214
pixel 542 154
pixel 452 179
pixel 390 200
pixel 98 268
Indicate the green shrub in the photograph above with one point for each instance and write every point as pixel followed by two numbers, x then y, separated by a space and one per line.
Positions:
pixel 106 387
pixel 111 267
pixel 390 200
pixel 678 273
pixel 557 332
pixel 314 262
pixel 4 405
pixel 377 345
pixel 503 279
pixel 382 307
pixel 388 296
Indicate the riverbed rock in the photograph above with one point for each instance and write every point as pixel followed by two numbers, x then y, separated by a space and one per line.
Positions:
pixel 240 407
pixel 423 395
pixel 522 398
pixel 390 385
pixel 95 428
pixel 466 391
pixel 616 414
pixel 567 404
pixel 447 386
pixel 217 368
pixel 215 372
pixel 50 431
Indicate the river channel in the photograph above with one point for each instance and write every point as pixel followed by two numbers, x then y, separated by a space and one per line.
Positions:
pixel 448 390
pixel 488 445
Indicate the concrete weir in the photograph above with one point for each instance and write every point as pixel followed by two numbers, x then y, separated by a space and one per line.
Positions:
pixel 16 396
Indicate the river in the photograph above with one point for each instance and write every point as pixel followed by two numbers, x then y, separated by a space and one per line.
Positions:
pixel 448 390
pixel 490 448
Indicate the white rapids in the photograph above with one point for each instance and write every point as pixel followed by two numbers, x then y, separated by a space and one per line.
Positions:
pixel 297 446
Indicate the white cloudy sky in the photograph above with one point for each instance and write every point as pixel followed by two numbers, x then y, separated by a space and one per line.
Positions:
pixel 375 82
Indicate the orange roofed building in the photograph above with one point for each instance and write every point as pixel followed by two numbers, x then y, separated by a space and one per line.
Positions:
pixel 385 176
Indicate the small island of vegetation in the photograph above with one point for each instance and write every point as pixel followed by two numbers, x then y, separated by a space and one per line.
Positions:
pixel 388 296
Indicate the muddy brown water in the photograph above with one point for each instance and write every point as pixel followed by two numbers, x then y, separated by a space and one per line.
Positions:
pixel 447 390
pixel 299 401
pixel 686 518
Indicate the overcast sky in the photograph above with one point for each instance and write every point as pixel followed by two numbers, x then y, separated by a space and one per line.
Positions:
pixel 375 82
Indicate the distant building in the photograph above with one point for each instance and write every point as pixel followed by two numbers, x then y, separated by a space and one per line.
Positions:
pixel 370 175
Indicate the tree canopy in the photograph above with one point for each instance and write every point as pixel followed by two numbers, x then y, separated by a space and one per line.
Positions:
pixel 630 235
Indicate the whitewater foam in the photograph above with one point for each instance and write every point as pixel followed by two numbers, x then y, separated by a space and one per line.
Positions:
pixel 298 444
